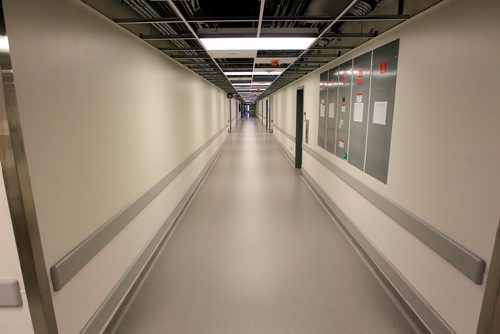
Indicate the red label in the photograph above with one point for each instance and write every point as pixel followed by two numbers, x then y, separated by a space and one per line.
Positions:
pixel 383 67
pixel 345 79
pixel 360 77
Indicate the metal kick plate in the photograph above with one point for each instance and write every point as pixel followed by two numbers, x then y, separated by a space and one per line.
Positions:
pixel 10 293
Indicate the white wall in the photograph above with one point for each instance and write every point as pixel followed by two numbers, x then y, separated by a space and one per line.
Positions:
pixel 105 116
pixel 445 156
pixel 235 115
pixel 12 319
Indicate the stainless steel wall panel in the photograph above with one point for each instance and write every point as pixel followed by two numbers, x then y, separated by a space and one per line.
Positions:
pixel 383 91
pixel 331 113
pixel 344 109
pixel 323 103
pixel 360 103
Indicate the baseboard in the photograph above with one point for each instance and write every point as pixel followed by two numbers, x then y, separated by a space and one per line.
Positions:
pixel 283 150
pixel 108 314
pixel 419 311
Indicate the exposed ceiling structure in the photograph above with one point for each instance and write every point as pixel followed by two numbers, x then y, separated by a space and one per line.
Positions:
pixel 252 48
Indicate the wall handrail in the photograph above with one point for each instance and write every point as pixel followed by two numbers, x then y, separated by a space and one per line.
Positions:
pixel 457 255
pixel 69 265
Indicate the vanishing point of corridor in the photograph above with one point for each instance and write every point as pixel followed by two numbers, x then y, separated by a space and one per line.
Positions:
pixel 256 252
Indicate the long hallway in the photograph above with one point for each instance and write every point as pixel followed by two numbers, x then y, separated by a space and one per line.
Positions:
pixel 257 253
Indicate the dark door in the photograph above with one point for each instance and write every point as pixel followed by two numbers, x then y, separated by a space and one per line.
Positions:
pixel 267 115
pixel 299 121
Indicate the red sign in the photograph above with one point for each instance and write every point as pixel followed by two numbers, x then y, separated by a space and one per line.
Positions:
pixel 383 67
pixel 360 77
pixel 345 79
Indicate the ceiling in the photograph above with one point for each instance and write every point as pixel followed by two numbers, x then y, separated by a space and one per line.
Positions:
pixel 336 26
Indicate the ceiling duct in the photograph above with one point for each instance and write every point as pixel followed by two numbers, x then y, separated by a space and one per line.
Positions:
pixel 229 7
pixel 363 7
pixel 332 8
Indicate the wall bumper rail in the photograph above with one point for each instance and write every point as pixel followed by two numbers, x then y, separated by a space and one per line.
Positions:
pixel 461 258
pixel 67 267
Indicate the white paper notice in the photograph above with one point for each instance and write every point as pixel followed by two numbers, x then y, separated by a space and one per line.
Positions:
pixel 322 110
pixel 341 143
pixel 342 108
pixel 331 110
pixel 359 98
pixel 358 112
pixel 379 112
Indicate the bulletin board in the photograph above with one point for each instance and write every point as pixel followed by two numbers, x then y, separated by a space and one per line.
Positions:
pixel 357 108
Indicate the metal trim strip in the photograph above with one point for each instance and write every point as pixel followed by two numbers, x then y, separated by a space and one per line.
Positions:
pixel 465 261
pixel 461 258
pixel 489 321
pixel 418 305
pixel 16 177
pixel 10 293
pixel 289 156
pixel 130 280
pixel 421 311
pixel 286 134
pixel 67 267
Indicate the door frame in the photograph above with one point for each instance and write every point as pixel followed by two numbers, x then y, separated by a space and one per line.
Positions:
pixel 299 121
pixel 489 322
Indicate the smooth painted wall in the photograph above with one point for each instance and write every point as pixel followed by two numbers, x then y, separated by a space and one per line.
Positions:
pixel 105 116
pixel 445 157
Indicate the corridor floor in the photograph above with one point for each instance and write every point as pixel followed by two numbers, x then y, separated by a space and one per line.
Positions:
pixel 256 253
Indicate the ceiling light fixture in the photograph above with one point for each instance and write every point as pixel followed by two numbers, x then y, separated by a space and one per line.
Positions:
pixel 257 43
pixel 252 84
pixel 250 89
pixel 252 73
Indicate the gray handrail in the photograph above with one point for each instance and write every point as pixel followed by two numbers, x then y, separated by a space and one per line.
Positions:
pixel 461 258
pixel 67 267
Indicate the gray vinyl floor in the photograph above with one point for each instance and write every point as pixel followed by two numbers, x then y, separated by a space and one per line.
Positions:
pixel 256 253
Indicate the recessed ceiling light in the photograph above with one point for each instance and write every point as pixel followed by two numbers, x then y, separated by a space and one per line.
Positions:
pixel 255 43
pixel 249 89
pixel 252 84
pixel 252 73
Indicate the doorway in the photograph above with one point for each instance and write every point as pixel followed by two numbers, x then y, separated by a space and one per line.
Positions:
pixel 299 121
pixel 267 115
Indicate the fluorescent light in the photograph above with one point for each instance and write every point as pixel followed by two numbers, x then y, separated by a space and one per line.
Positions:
pixel 4 44
pixel 252 84
pixel 255 43
pixel 252 73
pixel 250 89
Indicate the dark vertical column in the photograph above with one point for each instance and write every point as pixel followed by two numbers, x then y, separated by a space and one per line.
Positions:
pixel 299 120
pixel 267 115
pixel 230 120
